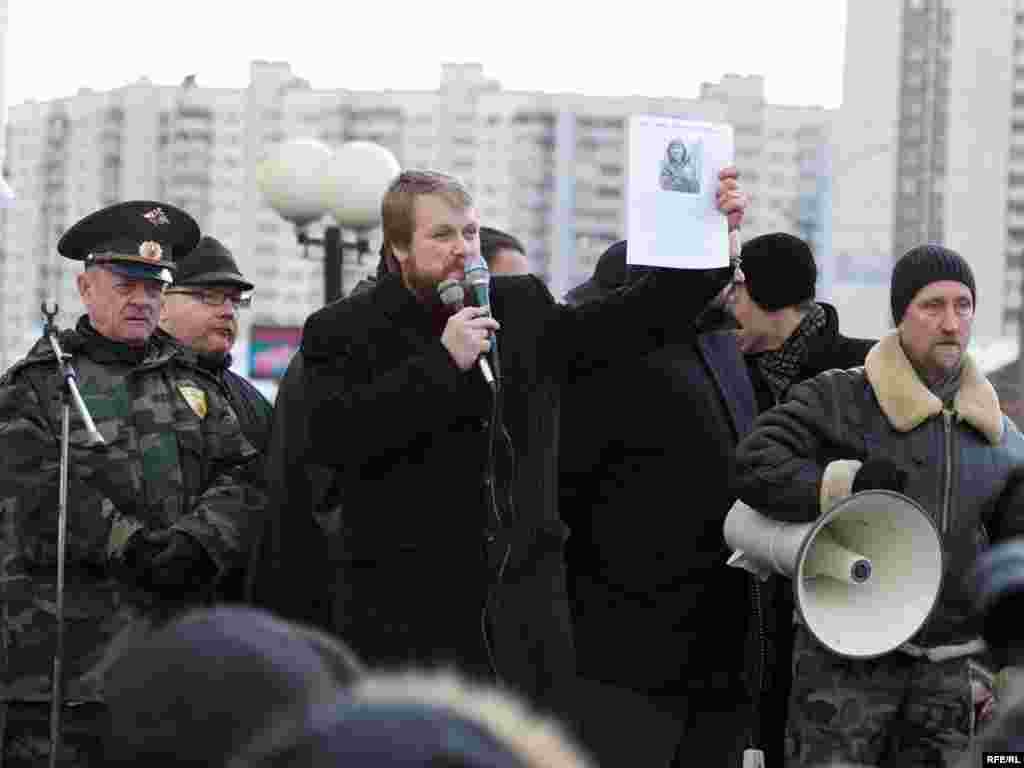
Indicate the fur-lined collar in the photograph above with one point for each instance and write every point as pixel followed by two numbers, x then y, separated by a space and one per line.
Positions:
pixel 907 402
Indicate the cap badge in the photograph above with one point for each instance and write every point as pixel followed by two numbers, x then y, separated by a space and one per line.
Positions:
pixel 151 251
pixel 156 217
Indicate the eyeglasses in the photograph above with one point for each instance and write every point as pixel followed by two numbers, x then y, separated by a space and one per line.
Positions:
pixel 216 298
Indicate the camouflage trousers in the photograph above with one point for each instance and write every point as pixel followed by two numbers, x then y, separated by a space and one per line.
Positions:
pixel 27 735
pixel 895 710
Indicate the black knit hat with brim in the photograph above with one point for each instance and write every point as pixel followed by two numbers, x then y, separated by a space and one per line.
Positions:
pixel 921 266
pixel 779 271
pixel 210 263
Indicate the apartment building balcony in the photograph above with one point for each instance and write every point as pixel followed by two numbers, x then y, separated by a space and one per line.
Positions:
pixel 194 112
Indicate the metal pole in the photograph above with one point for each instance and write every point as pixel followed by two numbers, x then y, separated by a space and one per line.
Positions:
pixel 333 289
pixel 57 692
pixel 69 395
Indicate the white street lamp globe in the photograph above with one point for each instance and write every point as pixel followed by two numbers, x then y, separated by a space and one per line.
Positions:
pixel 291 177
pixel 357 177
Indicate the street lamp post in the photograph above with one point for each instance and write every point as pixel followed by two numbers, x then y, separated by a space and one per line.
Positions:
pixel 334 257
pixel 303 179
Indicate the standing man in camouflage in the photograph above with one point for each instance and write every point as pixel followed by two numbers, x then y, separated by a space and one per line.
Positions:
pixel 155 515
pixel 201 311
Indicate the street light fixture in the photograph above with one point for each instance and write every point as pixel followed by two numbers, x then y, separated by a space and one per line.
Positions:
pixel 303 179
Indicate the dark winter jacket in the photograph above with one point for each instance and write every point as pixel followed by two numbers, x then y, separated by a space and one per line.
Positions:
pixel 251 406
pixel 770 636
pixel 825 350
pixel 965 467
pixel 407 434
pixel 290 570
pixel 647 462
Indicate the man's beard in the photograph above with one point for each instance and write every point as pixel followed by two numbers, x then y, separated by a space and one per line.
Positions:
pixel 422 284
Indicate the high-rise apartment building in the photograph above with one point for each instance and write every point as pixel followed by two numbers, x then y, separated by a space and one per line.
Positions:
pixel 929 147
pixel 889 149
pixel 550 168
pixel 5 191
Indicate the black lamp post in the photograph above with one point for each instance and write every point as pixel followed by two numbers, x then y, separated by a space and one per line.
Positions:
pixel 334 257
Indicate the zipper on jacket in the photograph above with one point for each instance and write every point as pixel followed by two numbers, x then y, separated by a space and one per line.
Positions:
pixel 947 426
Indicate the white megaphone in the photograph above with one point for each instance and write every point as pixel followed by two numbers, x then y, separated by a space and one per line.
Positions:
pixel 866 574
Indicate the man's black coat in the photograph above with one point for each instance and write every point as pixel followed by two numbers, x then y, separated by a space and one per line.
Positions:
pixel 646 485
pixel 407 433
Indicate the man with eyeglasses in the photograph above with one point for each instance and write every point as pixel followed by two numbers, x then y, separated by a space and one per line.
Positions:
pixel 156 515
pixel 200 311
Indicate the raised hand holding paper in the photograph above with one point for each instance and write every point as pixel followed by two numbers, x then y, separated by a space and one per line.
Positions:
pixel 672 217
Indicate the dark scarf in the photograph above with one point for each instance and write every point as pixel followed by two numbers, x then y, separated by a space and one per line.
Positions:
pixel 439 315
pixel 946 389
pixel 780 367
pixel 215 362
pixel 101 349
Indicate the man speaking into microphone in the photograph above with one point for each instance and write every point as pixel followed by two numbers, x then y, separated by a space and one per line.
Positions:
pixel 450 546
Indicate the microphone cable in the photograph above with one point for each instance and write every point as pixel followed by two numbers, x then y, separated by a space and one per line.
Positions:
pixel 490 479
pixel 452 294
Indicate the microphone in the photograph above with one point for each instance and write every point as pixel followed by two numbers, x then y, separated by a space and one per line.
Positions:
pixel 478 278
pixel 454 295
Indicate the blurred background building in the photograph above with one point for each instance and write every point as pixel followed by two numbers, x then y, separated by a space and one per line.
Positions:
pixel 548 167
pixel 927 146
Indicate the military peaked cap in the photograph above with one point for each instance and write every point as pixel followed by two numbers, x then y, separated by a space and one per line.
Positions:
pixel 141 239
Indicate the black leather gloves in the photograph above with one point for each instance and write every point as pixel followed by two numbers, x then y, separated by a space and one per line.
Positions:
pixel 880 474
pixel 169 563
pixel 997 587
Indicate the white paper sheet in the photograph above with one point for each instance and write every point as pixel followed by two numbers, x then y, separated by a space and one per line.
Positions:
pixel 672 218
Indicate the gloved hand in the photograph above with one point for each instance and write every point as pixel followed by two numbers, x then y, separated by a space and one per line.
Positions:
pixel 182 565
pixel 880 474
pixel 996 585
pixel 170 563
pixel 133 564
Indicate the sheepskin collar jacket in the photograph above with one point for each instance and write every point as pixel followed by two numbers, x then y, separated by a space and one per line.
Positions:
pixel 965 466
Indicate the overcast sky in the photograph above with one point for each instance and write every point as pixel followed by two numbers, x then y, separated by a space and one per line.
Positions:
pixel 636 47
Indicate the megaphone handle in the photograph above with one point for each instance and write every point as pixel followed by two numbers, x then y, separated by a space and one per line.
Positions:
pixel 776 565
pixel 753 758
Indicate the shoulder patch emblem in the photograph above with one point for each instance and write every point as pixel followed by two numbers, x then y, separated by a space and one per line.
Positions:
pixel 196 399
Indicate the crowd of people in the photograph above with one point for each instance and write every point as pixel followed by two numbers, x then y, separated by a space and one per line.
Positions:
pixel 427 553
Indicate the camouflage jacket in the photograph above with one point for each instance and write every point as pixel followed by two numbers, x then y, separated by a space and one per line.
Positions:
pixel 174 457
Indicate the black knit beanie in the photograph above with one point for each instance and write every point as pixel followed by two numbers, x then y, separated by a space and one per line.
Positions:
pixel 923 265
pixel 779 270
